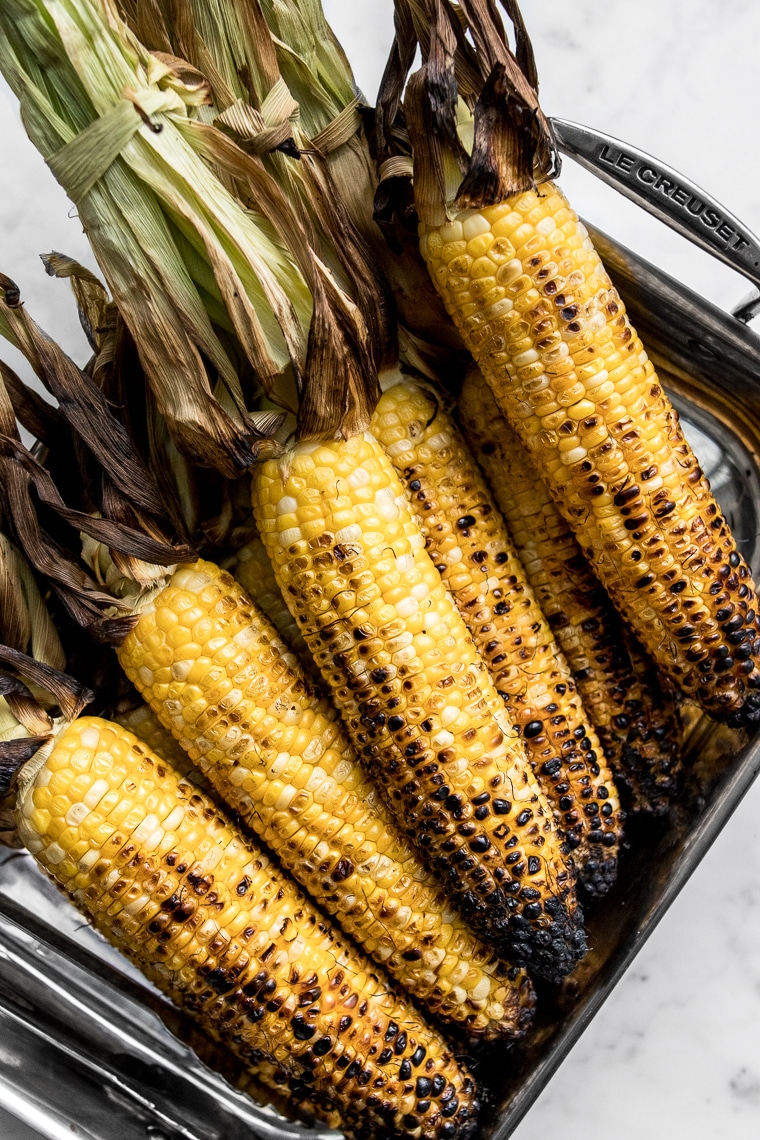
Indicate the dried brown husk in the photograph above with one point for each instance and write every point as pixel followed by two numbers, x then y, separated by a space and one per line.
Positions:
pixel 470 76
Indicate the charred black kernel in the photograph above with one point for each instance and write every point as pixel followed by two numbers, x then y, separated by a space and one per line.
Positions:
pixel 395 723
pixel 415 485
pixel 380 675
pixel 384 1057
pixel 442 793
pixel 344 1023
pixel 405 1070
pixel 399 1045
pixel 411 1122
pixel 450 1107
pixel 301 1030
pixel 483 798
pixel 423 1086
pixel 733 558
pixel 596 836
pixel 502 807
pixel 479 556
pixel 412 955
pixel 482 812
pixel 453 803
pixel 447 1131
pixel 418 1056
pixel 479 844
pixel 353 1070
pixel 422 1106
pixel 324 1045
pixel 438 1084
pixel 501 608
pixel 724 612
pixel 551 767
pixel 610 839
pixel 533 728
pixel 466 521
pixel 736 622
pixel 391 1031
pixel 532 910
pixel 645 580
pixel 243 886
pixel 344 868
pixel 607 809
pixel 534 866
pixel 566 802
pixel 524 816
pixel 724 665
pixel 678 587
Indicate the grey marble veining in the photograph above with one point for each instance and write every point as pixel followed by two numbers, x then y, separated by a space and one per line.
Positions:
pixel 675 1052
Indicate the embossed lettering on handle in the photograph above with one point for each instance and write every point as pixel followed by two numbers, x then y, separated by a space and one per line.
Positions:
pixel 664 192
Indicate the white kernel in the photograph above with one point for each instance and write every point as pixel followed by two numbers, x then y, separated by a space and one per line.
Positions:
pixel 95 793
pixel 449 714
pixel 213 857
pixel 289 536
pixel 43 777
pixel 237 776
pixel 180 669
pixel 482 989
pixel 287 505
pixel 595 380
pixel 284 798
pixel 89 859
pixel 643 358
pixel 197 580
pixel 420 591
pixel 146 828
pixel 439 440
pixel 136 905
pixel 349 533
pixel 499 308
pixel 474 225
pixel 90 738
pixel 55 853
pixel 279 764
pixel 546 226
pixel 359 477
pixel 154 840
pixel 398 448
pixel 431 620
pixel 528 357
pixel 76 814
pixel 315 780
pixel 451 231
pixel 404 563
pixel 407 606
pixel 575 455
pixel 174 818
pixel 417 540
pixel 442 739
pixel 145 675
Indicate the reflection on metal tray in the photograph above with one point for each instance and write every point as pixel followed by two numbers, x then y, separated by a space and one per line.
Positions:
pixel 86 1049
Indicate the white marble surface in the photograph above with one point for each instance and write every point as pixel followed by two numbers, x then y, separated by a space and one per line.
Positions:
pixel 675 1052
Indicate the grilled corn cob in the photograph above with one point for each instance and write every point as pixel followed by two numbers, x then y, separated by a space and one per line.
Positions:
pixel 416 697
pixel 538 311
pixel 217 676
pixel 634 713
pixel 468 541
pixel 226 935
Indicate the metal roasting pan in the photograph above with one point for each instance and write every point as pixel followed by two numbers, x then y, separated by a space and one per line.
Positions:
pixel 89 1050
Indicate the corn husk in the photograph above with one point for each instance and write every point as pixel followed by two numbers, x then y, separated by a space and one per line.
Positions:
pixel 208 287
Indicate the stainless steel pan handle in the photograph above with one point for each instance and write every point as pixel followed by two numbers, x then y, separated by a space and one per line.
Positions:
pixel 669 196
